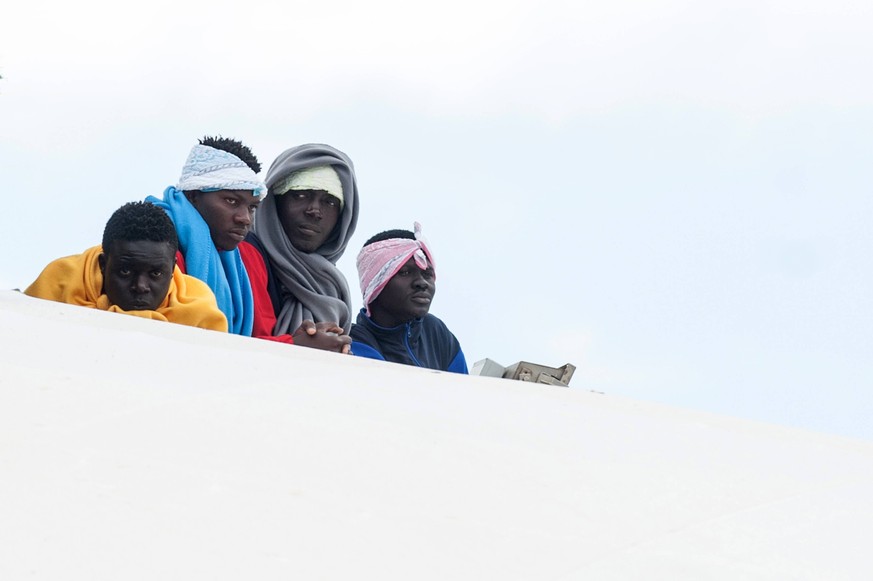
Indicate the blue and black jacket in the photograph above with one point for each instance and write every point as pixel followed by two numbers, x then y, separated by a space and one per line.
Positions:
pixel 425 342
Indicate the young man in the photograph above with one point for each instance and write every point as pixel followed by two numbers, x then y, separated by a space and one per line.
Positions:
pixel 302 229
pixel 398 282
pixel 133 272
pixel 213 206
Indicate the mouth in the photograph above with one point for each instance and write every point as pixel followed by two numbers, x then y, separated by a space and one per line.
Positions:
pixel 238 235
pixel 308 230
pixel 421 299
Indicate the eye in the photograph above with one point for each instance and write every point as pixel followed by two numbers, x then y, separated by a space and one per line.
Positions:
pixel 231 201
pixel 403 272
pixel 252 208
pixel 157 274
pixel 428 274
pixel 124 271
pixel 331 201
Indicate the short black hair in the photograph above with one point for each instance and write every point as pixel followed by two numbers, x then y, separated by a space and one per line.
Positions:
pixel 389 234
pixel 235 147
pixel 136 221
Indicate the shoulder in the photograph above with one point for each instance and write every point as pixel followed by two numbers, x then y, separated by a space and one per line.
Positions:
pixel 361 332
pixel 251 252
pixel 438 333
pixel 191 302
pixel 360 349
pixel 63 266
pixel 260 273
pixel 252 243
pixel 364 344
pixel 192 286
pixel 443 343
pixel 63 275
pixel 432 324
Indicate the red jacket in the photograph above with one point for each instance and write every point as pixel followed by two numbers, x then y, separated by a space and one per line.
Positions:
pixel 265 315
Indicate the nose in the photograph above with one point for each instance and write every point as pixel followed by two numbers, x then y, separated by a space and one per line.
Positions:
pixel 141 285
pixel 419 282
pixel 243 216
pixel 313 208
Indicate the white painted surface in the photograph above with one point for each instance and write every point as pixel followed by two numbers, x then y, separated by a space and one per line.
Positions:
pixel 131 449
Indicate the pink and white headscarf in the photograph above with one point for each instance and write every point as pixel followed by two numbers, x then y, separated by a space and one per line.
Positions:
pixel 380 261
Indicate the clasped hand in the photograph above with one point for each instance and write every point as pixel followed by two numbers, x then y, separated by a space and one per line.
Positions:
pixel 324 336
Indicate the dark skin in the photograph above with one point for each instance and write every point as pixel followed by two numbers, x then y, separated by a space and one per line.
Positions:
pixel 308 217
pixel 407 296
pixel 324 336
pixel 229 214
pixel 137 274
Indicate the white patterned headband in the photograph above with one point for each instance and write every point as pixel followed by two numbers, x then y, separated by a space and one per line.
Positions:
pixel 210 169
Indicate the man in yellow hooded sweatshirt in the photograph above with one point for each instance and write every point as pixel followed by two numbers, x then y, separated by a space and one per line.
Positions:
pixel 133 272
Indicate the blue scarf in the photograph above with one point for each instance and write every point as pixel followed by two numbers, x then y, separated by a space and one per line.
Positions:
pixel 224 272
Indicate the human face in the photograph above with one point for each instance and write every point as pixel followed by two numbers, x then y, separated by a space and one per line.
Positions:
pixel 137 274
pixel 407 296
pixel 308 217
pixel 229 214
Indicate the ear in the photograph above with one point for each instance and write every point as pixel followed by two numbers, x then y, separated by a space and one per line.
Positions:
pixel 101 261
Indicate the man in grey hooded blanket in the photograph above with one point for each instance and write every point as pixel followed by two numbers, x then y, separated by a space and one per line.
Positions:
pixel 301 230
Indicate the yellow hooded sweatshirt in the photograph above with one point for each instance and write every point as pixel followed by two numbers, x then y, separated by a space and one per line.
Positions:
pixel 77 280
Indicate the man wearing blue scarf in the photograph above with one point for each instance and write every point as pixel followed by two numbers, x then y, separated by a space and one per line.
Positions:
pixel 213 207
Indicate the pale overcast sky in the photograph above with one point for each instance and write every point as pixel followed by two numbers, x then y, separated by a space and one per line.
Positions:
pixel 673 196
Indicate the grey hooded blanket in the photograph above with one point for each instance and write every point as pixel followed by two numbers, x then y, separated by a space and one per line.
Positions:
pixel 312 287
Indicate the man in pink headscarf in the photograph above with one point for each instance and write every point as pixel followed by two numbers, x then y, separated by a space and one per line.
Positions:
pixel 398 281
